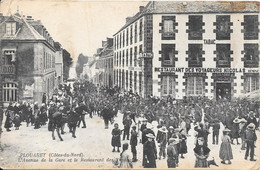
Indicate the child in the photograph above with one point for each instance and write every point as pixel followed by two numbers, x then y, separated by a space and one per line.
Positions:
pixel 250 138
pixel 225 152
pixel 116 140
pixel 17 121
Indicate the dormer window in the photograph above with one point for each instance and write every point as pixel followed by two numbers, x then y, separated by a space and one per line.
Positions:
pixel 10 28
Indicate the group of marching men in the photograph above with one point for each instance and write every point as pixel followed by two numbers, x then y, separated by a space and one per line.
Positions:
pixel 174 119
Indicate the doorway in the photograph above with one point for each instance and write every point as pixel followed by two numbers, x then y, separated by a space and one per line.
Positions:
pixel 223 91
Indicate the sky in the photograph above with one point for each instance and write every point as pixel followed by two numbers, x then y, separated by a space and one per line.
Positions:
pixel 80 26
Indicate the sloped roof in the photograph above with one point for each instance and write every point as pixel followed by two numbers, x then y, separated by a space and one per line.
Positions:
pixel 183 7
pixel 25 30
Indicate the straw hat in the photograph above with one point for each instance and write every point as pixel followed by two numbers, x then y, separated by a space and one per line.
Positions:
pixel 149 126
pixel 163 129
pixel 171 127
pixel 226 130
pixel 251 126
pixel 149 135
pixel 236 120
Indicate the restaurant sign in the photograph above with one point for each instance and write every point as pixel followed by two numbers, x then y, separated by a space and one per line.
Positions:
pixel 205 70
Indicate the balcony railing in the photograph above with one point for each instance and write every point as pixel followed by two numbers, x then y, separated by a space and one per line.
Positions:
pixel 7 69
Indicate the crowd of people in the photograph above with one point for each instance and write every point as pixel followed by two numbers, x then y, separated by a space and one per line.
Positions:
pixel 174 120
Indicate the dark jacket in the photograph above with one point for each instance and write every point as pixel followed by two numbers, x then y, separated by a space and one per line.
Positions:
pixel 250 135
pixel 133 139
pixel 150 153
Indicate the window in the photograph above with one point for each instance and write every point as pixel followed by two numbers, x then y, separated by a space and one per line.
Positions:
pixel 168 27
pixel 115 42
pixel 223 27
pixel 117 45
pixel 251 55
pixel 127 34
pixel 120 78
pixel 126 79
pixel 141 30
pixel 168 54
pixel 120 40
pixel 140 83
pixel 251 83
pixel 126 57
pixel 124 39
pixel 136 32
pixel 194 86
pixel 123 56
pixel 10 28
pixel 223 55
pixel 135 57
pixel 168 85
pixel 9 92
pixel 131 85
pixel 195 27
pixel 131 55
pixel 195 55
pixel 117 59
pixel 9 57
pixel 120 58
pixel 250 27
pixel 131 35
pixel 135 81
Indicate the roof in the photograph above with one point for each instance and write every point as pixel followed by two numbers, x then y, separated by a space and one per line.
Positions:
pixel 25 30
pixel 184 7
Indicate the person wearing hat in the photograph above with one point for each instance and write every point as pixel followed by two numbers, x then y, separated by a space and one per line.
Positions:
pixel 242 129
pixel 162 140
pixel 133 143
pixel 225 152
pixel 250 138
pixel 149 152
pixel 125 161
pixel 235 130
pixel 201 152
pixel 116 140
pixel 251 119
pixel 127 122
pixel 172 153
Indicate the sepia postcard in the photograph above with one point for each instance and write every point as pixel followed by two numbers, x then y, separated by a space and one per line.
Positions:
pixel 129 84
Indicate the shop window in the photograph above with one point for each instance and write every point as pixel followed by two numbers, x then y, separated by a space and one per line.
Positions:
pixel 168 27
pixel 250 27
pixel 195 55
pixel 168 85
pixel 251 83
pixel 223 55
pixel 223 27
pixel 251 55
pixel 194 86
pixel 168 55
pixel 9 92
pixel 195 25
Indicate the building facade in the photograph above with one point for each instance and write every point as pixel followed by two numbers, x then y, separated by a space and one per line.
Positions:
pixel 105 63
pixel 27 60
pixel 189 49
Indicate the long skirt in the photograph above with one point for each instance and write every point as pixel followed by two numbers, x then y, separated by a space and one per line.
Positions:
pixel 225 152
pixel 201 163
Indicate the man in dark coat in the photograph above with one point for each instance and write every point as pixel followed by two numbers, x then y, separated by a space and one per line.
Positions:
pixel 1 118
pixel 133 143
pixel 106 115
pixel 127 122
pixel 150 152
pixel 250 138
pixel 81 109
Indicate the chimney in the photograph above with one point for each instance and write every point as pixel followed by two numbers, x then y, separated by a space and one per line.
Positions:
pixel 141 8
pixel 128 19
pixel 29 18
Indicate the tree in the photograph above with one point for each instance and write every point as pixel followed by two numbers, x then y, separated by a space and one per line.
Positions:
pixel 80 63
pixel 67 63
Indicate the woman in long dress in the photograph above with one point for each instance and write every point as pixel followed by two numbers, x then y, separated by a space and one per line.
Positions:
pixel 225 152
pixel 116 140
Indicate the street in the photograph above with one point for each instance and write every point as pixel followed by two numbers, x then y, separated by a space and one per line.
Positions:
pixel 92 149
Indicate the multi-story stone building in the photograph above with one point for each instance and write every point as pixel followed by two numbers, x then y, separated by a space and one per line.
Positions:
pixel 189 49
pixel 105 63
pixel 27 57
